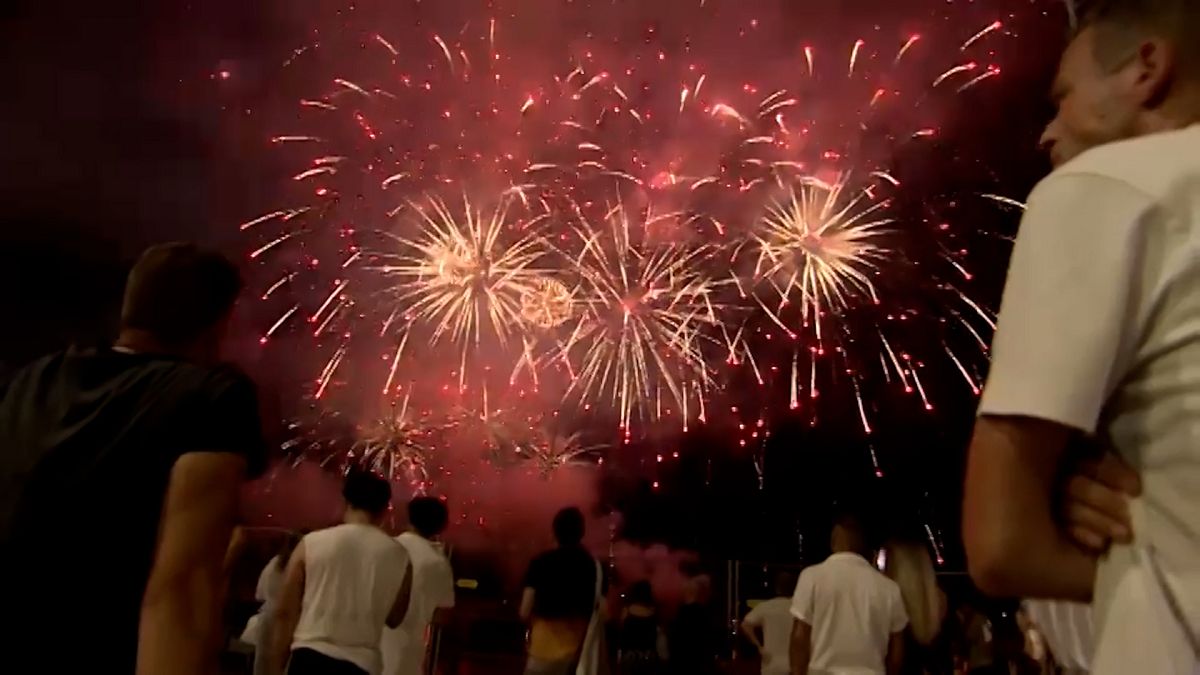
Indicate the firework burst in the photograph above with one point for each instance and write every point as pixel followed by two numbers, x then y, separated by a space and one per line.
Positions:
pixel 819 248
pixel 399 446
pixel 645 317
pixel 466 277
pixel 548 450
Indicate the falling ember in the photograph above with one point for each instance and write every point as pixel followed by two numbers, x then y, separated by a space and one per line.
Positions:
pixel 912 40
pixel 282 320
pixel 527 105
pixel 445 50
pixel 351 86
pixel 808 57
pixel 387 45
pixel 992 71
pixel 995 25
pixel 854 56
pixel 966 67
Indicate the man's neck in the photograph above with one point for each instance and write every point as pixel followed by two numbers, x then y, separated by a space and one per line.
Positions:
pixel 358 517
pixel 1179 113
pixel 137 341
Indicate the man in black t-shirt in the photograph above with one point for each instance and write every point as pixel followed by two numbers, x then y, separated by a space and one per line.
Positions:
pixel 559 598
pixel 119 474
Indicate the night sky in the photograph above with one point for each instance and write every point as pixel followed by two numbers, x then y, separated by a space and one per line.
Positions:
pixel 118 130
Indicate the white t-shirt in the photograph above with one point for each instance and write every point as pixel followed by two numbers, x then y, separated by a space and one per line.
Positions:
pixel 1067 628
pixel 774 617
pixel 432 588
pixel 1100 331
pixel 853 610
pixel 270 581
pixel 352 574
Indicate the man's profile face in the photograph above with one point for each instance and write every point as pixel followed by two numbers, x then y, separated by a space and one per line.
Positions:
pixel 1095 104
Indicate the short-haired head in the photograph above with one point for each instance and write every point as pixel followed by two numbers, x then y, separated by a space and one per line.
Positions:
pixel 1132 68
pixel 640 593
pixel 367 492
pixel 785 584
pixel 849 534
pixel 428 516
pixel 179 297
pixel 568 526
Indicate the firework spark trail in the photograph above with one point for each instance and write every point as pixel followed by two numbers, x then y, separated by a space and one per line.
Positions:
pixel 643 318
pixel 912 40
pixel 995 25
pixel 462 276
pixel 991 71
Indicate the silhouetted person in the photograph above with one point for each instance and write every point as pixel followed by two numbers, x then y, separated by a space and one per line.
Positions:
pixel 405 648
pixel 119 482
pixel 342 586
pixel 695 636
pixel 640 640
pixel 849 617
pixel 560 599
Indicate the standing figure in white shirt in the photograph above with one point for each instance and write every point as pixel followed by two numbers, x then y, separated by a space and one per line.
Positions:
pixel 849 617
pixel 405 648
pixel 773 620
pixel 1099 338
pixel 258 629
pixel 342 586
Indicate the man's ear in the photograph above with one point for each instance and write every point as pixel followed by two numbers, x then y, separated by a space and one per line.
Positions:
pixel 1153 71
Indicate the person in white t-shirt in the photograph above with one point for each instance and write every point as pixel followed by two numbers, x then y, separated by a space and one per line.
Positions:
pixel 405 648
pixel 270 582
pixel 768 626
pixel 1099 338
pixel 849 617
pixel 342 586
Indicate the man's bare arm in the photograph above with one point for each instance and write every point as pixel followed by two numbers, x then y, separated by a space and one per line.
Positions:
pixel 403 597
pixel 287 612
pixel 525 611
pixel 1014 547
pixel 800 649
pixel 751 633
pixel 180 627
pixel 895 654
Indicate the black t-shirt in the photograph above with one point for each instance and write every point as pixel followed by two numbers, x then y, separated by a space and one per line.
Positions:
pixel 87 443
pixel 564 583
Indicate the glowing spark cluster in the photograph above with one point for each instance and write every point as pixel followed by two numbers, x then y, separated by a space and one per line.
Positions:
pixel 819 248
pixel 468 277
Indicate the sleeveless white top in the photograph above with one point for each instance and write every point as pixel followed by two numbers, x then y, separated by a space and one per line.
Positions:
pixel 352 574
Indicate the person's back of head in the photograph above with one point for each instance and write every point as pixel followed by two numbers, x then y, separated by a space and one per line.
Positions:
pixel 428 516
pixel 909 565
pixel 367 493
pixel 178 299
pixel 640 593
pixel 568 527
pixel 849 534
pixel 785 584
